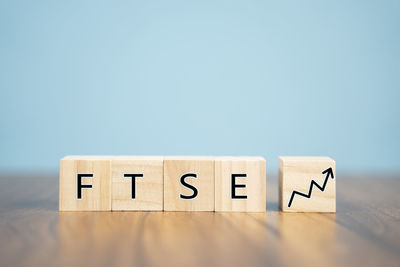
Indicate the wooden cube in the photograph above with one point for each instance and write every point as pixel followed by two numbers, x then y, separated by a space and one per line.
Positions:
pixel 240 184
pixel 307 184
pixel 137 183
pixel 189 184
pixel 85 183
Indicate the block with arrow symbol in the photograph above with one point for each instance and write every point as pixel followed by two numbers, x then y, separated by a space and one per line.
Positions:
pixel 307 184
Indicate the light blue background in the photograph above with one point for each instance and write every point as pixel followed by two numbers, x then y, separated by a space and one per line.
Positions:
pixel 263 78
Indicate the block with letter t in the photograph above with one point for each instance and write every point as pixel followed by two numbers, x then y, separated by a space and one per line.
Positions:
pixel 137 183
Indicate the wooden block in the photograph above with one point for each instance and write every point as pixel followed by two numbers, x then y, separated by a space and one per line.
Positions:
pixel 189 184
pixel 85 183
pixel 240 184
pixel 137 183
pixel 307 184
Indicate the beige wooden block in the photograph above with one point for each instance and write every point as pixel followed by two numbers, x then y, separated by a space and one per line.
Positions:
pixel 137 183
pixel 240 184
pixel 94 194
pixel 189 183
pixel 307 184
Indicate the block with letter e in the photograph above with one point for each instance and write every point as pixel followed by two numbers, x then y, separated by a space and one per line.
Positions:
pixel 85 183
pixel 240 184
pixel 307 184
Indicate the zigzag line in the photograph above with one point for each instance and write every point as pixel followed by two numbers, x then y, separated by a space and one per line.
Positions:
pixel 322 188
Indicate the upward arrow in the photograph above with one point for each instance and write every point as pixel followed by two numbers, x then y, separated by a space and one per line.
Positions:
pixel 329 172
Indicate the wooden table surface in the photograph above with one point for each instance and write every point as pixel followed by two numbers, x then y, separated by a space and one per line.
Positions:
pixel 365 231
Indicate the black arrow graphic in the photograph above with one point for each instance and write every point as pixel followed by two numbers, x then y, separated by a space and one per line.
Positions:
pixel 328 172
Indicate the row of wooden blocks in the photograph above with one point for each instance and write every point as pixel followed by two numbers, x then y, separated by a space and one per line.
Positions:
pixel 191 183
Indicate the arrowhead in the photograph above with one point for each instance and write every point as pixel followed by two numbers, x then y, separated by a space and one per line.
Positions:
pixel 329 171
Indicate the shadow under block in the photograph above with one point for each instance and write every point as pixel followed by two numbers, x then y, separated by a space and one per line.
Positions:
pixel 189 184
pixel 307 184
pixel 94 192
pixel 240 184
pixel 137 183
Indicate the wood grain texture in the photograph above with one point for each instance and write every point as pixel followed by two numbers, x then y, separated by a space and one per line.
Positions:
pixel 148 189
pixel 174 169
pixel 365 230
pixel 255 182
pixel 305 175
pixel 97 198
